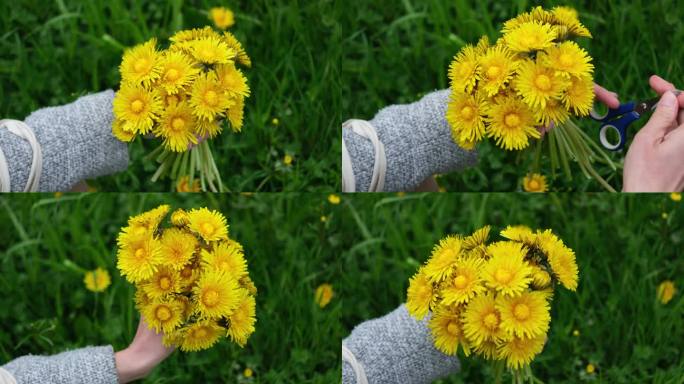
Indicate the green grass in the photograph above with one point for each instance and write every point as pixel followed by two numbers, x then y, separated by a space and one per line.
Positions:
pixel 624 250
pixel 396 51
pixel 55 51
pixel 46 241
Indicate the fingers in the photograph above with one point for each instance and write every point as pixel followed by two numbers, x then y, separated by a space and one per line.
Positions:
pixel 664 118
pixel 609 98
pixel 661 86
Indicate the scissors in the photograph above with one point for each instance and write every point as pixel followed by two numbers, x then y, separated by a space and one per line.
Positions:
pixel 620 118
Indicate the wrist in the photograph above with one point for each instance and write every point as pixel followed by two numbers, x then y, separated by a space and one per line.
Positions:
pixel 132 365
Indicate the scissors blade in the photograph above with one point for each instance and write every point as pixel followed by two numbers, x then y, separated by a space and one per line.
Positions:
pixel 648 105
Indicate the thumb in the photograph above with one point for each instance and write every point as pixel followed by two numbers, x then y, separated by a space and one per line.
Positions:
pixel 664 117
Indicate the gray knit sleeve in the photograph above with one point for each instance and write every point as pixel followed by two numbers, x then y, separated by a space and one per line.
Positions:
pixel 417 141
pixel 76 142
pixel 396 348
pixel 91 365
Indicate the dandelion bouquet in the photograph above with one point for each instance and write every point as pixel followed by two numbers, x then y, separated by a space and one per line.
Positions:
pixel 191 279
pixel 534 78
pixel 493 299
pixel 184 96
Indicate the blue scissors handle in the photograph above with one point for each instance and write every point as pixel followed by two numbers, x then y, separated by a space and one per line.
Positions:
pixel 617 119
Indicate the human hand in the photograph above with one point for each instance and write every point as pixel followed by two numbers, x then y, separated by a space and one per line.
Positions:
pixel 144 353
pixel 654 160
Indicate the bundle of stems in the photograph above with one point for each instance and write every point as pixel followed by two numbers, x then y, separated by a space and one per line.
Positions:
pixel 198 161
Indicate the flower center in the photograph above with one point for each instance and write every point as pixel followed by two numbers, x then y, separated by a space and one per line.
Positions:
pixel 211 98
pixel 502 276
pixel 140 253
pixel 452 328
pixel 186 272
pixel 200 333
pixel 172 99
pixel 141 65
pixel 163 313
pixel 512 120
pixel 491 321
pixel 460 281
pixel 467 112
pixel 493 72
pixel 565 60
pixel 165 283
pixel 177 123
pixel 137 106
pixel 534 185
pixel 521 312
pixel 207 228
pixel 206 54
pixel 210 298
pixel 543 82
pixel 172 74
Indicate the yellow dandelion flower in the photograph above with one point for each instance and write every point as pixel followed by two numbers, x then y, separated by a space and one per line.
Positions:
pixel 211 50
pixel 236 113
pixel 208 128
pixel 247 372
pixel 207 98
pixel 141 299
pixel 511 123
pixel 232 81
pixel 497 67
pixel 334 199
pixel 226 257
pixel 179 218
pixel 675 196
pixel 477 238
pixel 138 260
pixel 177 247
pixel 200 335
pixel 444 256
pixel 540 278
pixel 137 107
pixel 553 113
pixel 97 280
pixel 666 291
pixel 482 45
pixel 579 95
pixel 507 272
pixel 183 185
pixel 537 84
pixel 222 17
pixel 164 282
pixel 487 349
pixel 210 225
pixel 120 133
pixel 236 46
pixel 576 333
pixel 242 320
pixel 591 369
pixel 194 34
pixel 568 18
pixel 287 160
pixel 144 224
pixel 140 64
pixel 324 294
pixel 568 59
pixel 520 351
pixel 177 127
pixel 530 36
pixel 561 259
pixel 189 275
pixel 482 321
pixel 465 282
pixel 217 295
pixel 163 316
pixel 537 14
pixel 465 114
pixel 177 72
pixel 521 233
pixel 447 332
pixel 248 284
pixel 534 182
pixel 419 295
pixel 526 315
pixel 464 70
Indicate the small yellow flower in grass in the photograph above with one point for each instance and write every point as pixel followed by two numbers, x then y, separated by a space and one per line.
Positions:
pixel 507 272
pixel 419 295
pixel 97 280
pixel 324 294
pixel 519 351
pixel 164 282
pixel 334 199
pixel 526 315
pixel 138 258
pixel 210 225
pixel 275 121
pixel 576 333
pixel 226 257
pixel 666 291
pixel 137 107
pixel 200 335
pixel 675 196
pixel 464 70
pixel 465 282
pixel 242 320
pixel 511 123
pixel 530 36
pixel 324 218
pixel 183 185
pixel 177 127
pixel 664 215
pixel 482 321
pixel 177 72
pixel 591 369
pixel 537 84
pixel 568 59
pixel 222 17
pixel 163 315
pixel 534 182
pixel 447 331
pixel 140 64
pixel 561 259
pixel 211 50
pixel 287 160
pixel 465 114
pixel 208 98
pixel 177 246
pixel 579 96
pixel 217 295
pixel 443 259
pixel 248 372
pixel 497 66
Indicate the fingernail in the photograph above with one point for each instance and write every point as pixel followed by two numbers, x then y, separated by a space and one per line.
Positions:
pixel 668 100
